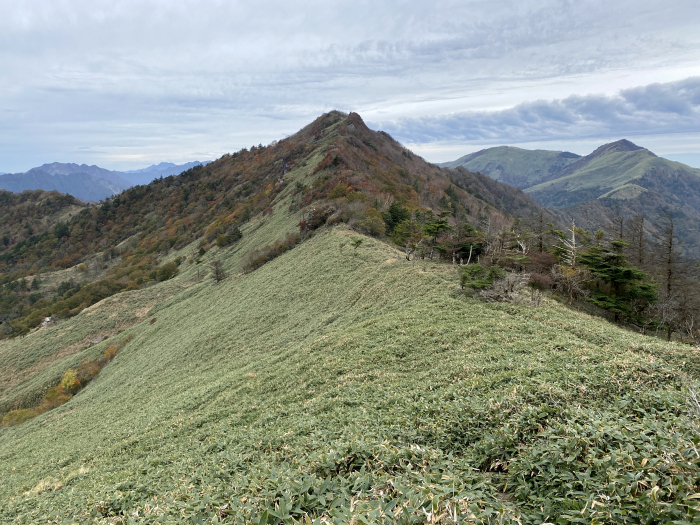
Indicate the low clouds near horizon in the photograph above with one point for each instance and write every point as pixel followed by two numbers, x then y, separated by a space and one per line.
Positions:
pixel 130 83
pixel 655 109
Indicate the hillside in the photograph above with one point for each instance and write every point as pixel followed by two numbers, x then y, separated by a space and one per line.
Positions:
pixel 627 180
pixel 338 169
pixel 617 170
pixel 331 385
pixel 616 179
pixel 31 213
pixel 515 166
pixel 338 382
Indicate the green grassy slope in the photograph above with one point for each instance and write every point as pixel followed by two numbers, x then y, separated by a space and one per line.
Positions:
pixel 336 158
pixel 34 363
pixel 515 166
pixel 619 178
pixel 30 365
pixel 603 175
pixel 327 385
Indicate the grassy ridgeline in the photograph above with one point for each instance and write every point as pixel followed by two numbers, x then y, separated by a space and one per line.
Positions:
pixel 329 385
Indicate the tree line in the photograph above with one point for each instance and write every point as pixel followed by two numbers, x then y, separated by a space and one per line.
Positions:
pixel 635 273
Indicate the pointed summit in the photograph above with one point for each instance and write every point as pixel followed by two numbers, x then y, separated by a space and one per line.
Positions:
pixel 616 147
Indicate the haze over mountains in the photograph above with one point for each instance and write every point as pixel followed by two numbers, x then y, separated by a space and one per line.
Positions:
pixel 617 179
pixel 89 183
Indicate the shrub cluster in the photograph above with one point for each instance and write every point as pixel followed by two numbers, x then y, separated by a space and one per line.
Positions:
pixel 257 258
pixel 72 302
pixel 73 380
pixel 231 236
pixel 166 271
pixel 476 277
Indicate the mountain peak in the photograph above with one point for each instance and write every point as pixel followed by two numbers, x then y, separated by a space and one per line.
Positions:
pixel 618 146
pixel 69 168
pixel 167 168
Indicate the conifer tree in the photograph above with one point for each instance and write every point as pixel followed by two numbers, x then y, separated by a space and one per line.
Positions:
pixel 619 288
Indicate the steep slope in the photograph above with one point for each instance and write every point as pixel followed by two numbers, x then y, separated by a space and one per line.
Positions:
pixel 518 167
pixel 626 180
pixel 378 165
pixel 328 385
pixel 618 170
pixel 336 163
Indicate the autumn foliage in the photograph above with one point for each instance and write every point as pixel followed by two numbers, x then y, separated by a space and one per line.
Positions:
pixel 358 171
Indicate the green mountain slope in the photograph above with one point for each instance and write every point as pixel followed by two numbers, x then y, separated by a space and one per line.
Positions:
pixel 627 180
pixel 336 159
pixel 339 382
pixel 619 178
pixel 331 385
pixel 616 170
pixel 518 167
pixel 174 220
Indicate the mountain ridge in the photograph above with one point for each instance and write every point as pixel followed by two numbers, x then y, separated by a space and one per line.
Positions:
pixel 623 178
pixel 90 183
pixel 349 173
pixel 339 382
pixel 516 166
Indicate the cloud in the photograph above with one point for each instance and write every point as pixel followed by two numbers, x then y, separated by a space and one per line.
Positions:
pixel 672 107
pixel 174 78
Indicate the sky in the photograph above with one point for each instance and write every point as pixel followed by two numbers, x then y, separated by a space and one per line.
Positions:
pixel 125 84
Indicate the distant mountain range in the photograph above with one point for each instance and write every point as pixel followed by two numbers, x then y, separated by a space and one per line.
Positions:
pixel 619 178
pixel 89 183
pixel 155 171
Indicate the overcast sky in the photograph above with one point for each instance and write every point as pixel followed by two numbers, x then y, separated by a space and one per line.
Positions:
pixel 130 83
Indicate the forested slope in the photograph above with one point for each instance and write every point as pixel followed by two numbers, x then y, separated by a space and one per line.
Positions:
pixel 23 215
pixel 335 161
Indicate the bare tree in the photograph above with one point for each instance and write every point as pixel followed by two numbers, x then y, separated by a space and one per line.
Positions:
pixel 618 221
pixel 636 237
pixel 506 289
pixel 571 282
pixel 680 285
pixel 218 271
pixel 570 247
pixel 540 231
pixel 668 253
